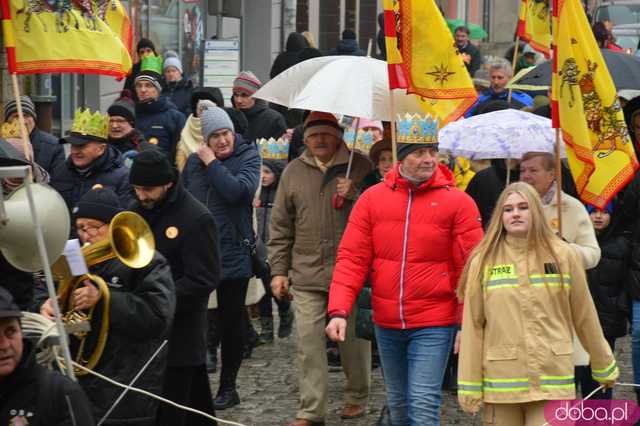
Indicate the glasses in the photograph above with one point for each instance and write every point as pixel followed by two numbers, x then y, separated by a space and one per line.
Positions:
pixel 91 230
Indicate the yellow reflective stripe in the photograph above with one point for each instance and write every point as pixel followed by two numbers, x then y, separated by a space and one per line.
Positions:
pixel 469 387
pixel 605 373
pixel 506 385
pixel 557 382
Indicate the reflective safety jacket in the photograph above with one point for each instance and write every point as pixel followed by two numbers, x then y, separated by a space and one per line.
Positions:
pixel 517 340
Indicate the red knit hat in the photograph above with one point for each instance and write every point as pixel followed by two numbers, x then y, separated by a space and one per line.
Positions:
pixel 247 82
pixel 322 122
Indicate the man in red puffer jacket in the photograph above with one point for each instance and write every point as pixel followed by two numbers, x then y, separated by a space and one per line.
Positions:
pixel 411 235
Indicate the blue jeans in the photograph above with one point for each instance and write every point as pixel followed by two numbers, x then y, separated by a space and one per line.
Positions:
pixel 635 339
pixel 414 362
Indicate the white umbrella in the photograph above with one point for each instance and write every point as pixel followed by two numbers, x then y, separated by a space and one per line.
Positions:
pixel 356 86
pixel 505 134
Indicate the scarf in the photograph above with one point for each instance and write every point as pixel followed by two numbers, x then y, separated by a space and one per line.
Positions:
pixel 191 137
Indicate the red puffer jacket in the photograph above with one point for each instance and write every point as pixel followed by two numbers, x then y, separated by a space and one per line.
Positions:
pixel 413 243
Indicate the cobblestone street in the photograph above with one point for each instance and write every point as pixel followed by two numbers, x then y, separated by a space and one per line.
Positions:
pixel 268 389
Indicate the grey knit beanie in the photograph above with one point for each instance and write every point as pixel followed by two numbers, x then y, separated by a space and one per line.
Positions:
pixel 214 119
pixel 172 61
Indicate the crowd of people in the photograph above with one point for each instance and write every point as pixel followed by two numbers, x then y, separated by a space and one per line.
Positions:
pixel 428 263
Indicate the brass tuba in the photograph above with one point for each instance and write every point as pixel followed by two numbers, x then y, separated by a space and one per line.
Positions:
pixel 131 241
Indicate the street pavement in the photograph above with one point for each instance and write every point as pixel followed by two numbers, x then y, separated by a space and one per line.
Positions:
pixel 268 388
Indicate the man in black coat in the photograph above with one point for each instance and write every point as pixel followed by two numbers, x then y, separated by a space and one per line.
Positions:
pixel 93 163
pixel 185 233
pixel 470 54
pixel 140 302
pixel 285 60
pixel 177 88
pixel 29 393
pixel 47 152
pixel 264 122
pixel 122 132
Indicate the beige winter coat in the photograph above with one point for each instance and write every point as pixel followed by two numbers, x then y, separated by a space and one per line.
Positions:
pixel 517 330
pixel 305 229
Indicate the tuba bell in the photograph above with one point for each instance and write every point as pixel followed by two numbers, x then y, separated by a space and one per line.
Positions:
pixel 130 241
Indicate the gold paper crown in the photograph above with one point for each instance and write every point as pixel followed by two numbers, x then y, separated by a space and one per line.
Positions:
pixel 417 129
pixel 364 139
pixel 274 149
pixel 10 129
pixel 87 124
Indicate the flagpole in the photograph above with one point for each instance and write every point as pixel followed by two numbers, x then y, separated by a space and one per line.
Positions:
pixel 559 181
pixel 513 65
pixel 23 128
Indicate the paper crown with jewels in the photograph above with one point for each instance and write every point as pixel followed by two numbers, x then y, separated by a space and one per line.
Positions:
pixel 93 126
pixel 10 129
pixel 273 149
pixel 364 139
pixel 416 128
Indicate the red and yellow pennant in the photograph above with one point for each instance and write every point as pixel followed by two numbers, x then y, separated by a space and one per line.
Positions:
pixel 534 25
pixel 585 106
pixel 67 36
pixel 422 58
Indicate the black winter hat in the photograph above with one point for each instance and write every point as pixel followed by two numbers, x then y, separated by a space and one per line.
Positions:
pixel 8 307
pixel 145 42
pixel 405 149
pixel 151 168
pixel 348 35
pixel 213 94
pixel 123 107
pixel 100 204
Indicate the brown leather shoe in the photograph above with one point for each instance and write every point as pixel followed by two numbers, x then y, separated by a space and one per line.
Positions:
pixel 305 422
pixel 352 411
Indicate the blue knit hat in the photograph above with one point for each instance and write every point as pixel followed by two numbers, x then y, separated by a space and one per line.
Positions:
pixel 214 119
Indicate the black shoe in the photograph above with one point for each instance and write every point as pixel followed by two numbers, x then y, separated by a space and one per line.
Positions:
pixel 286 324
pixel 226 398
pixel 266 331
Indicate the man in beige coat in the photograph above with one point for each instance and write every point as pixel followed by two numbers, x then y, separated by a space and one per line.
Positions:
pixel 305 230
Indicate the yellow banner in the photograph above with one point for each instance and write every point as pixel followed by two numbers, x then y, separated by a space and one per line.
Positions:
pixel 534 25
pixel 599 150
pixel 434 64
pixel 70 37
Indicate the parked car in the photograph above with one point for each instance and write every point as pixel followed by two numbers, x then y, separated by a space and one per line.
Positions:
pixel 627 36
pixel 620 12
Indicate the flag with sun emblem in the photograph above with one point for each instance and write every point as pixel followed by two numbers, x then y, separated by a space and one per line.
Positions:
pixel 424 59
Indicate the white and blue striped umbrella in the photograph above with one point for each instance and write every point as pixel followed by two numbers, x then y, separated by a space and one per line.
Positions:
pixel 508 133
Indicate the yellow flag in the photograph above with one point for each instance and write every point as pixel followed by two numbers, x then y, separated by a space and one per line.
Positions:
pixel 67 37
pixel 534 25
pixel 586 107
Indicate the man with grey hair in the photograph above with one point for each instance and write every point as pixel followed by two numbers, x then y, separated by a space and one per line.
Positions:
pixel 500 74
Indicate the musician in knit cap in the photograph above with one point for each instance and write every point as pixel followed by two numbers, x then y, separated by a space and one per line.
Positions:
pixel 47 152
pixel 264 122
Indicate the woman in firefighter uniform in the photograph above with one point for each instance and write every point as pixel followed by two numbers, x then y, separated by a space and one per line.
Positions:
pixel 525 292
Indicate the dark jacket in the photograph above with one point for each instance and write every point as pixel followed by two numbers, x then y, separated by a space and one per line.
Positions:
pixel 47 152
pixel 263 122
pixel 476 58
pixel 185 233
pixel 347 47
pixel 285 60
pixel 179 92
pixel 20 284
pixel 227 188
pixel 629 211
pixel 108 170
pixel 131 78
pixel 487 185
pixel 607 281
pixel 47 398
pixel 161 124
pixel 267 197
pixel 374 177
pixel 131 144
pixel 140 314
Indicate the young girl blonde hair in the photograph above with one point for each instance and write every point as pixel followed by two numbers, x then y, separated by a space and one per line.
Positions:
pixel 540 237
